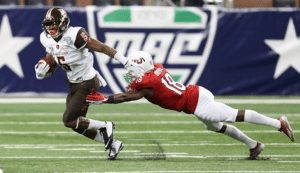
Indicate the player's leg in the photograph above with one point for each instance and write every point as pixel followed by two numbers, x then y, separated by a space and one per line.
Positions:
pixel 214 113
pixel 210 110
pixel 256 118
pixel 76 109
pixel 104 131
pixel 231 131
pixel 255 147
pixel 282 124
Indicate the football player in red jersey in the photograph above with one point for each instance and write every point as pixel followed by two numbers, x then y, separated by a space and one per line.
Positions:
pixel 71 49
pixel 154 83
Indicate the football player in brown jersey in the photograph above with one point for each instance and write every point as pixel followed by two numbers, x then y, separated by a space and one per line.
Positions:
pixel 71 48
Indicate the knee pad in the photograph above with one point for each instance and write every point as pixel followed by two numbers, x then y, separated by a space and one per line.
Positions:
pixel 213 126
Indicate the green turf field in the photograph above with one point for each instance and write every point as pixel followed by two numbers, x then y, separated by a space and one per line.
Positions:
pixel 34 140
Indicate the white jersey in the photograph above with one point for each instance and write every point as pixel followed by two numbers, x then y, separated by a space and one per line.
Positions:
pixel 77 62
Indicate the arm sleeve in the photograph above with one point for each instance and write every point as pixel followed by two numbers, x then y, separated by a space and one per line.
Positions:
pixel 81 39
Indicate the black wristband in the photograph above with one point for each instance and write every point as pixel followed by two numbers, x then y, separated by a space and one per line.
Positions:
pixel 110 99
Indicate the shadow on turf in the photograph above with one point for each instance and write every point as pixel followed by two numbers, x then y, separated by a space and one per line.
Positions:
pixel 260 158
pixel 159 153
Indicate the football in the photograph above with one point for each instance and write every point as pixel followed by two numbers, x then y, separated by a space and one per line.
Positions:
pixel 51 62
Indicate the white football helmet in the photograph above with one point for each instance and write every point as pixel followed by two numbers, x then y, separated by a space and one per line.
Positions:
pixel 141 62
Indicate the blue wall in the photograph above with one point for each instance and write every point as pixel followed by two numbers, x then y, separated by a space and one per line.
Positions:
pixel 231 52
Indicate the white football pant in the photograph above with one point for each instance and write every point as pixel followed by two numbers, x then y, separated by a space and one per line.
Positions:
pixel 210 110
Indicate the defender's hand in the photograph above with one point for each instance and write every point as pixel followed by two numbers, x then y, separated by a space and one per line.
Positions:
pixel 96 98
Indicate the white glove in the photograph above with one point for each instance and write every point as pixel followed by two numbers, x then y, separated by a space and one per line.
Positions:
pixel 121 58
pixel 41 69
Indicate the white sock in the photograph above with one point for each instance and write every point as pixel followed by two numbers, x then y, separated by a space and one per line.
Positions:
pixel 240 136
pixel 257 118
pixel 95 125
pixel 99 137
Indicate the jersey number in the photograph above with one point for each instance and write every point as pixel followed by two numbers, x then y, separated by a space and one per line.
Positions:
pixel 169 82
pixel 64 66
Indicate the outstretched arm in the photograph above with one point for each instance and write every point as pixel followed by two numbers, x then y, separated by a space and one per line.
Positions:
pixel 98 98
pixel 129 96
pixel 98 46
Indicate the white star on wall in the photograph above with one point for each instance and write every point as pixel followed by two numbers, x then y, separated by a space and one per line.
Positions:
pixel 288 50
pixel 10 47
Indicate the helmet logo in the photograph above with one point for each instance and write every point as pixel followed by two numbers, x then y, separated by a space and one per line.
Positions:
pixel 139 61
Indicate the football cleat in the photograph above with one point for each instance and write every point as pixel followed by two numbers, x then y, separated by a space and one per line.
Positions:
pixel 286 128
pixel 114 150
pixel 107 133
pixel 254 152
